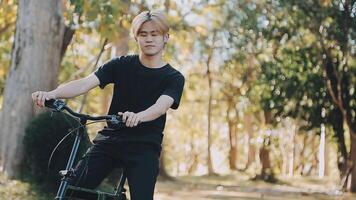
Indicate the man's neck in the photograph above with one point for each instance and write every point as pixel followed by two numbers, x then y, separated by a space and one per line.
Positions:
pixel 155 61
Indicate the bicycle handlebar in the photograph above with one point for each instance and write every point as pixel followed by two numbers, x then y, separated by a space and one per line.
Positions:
pixel 59 105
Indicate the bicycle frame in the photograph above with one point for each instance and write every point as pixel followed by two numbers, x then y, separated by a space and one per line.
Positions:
pixel 68 173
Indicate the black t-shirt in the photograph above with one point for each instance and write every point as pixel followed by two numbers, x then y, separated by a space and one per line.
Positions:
pixel 136 88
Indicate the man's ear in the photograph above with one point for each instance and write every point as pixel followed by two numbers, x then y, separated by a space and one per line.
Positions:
pixel 165 38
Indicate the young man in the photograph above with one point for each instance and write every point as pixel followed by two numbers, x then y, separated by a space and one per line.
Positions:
pixel 145 87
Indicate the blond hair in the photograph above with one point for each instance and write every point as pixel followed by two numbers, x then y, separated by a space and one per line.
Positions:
pixel 156 16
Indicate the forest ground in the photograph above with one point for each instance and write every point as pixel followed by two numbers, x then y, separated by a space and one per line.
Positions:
pixel 238 187
pixel 226 187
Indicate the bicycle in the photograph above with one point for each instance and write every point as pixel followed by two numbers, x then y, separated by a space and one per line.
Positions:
pixel 67 191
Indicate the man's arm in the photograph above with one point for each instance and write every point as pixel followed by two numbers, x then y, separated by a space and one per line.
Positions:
pixel 67 90
pixel 76 87
pixel 163 103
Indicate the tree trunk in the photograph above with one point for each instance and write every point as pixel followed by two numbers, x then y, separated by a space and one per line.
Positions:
pixel 67 38
pixel 194 164
pixel 300 166
pixel 251 147
pixel 231 118
pixel 322 152
pixel 313 168
pixel 337 122
pixel 327 158
pixel 233 146
pixel 353 161
pixel 265 159
pixel 266 170
pixel 210 164
pixel 34 66
pixel 292 151
pixel 209 113
pixel 338 84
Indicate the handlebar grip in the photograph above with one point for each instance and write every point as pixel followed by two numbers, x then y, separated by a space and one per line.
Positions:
pixel 55 104
pixel 50 103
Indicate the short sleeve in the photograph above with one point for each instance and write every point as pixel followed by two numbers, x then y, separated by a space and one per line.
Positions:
pixel 174 89
pixel 107 73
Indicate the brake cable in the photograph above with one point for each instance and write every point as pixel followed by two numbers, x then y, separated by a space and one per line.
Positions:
pixel 65 137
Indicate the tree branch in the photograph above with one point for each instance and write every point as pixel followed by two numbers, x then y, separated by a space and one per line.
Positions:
pixel 93 68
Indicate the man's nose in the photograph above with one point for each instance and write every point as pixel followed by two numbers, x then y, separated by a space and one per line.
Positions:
pixel 149 38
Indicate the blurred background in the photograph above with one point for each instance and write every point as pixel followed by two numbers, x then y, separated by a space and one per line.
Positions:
pixel 268 110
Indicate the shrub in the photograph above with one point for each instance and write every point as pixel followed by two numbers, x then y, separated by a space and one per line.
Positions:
pixel 41 136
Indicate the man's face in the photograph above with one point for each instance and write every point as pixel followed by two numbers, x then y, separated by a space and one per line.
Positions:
pixel 150 40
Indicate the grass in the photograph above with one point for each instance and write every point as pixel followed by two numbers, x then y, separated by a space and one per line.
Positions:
pixel 20 190
pixel 25 189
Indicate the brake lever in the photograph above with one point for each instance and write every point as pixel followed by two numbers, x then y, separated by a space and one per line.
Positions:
pixel 115 119
pixel 59 105
pixel 55 104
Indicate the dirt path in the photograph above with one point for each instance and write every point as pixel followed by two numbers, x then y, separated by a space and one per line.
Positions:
pixel 183 190
pixel 211 188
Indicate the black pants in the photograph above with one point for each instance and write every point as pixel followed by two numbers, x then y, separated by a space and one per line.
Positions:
pixel 140 161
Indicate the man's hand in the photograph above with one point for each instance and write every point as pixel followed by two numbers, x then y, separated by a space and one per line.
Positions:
pixel 39 97
pixel 130 118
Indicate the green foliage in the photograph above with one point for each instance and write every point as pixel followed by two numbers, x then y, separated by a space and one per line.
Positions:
pixel 295 87
pixel 42 135
pixel 8 10
pixel 108 17
pixel 304 35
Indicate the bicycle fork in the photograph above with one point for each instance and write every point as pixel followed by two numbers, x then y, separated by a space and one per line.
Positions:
pixel 69 172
